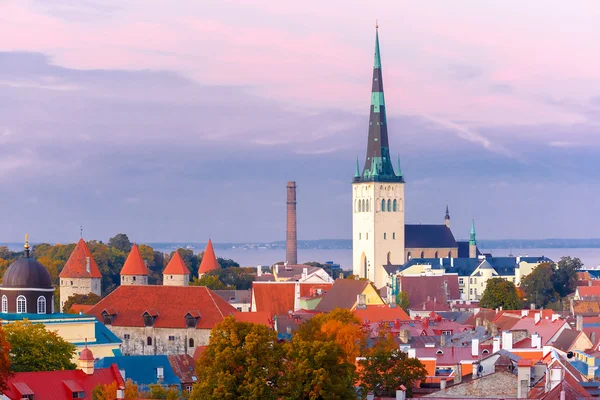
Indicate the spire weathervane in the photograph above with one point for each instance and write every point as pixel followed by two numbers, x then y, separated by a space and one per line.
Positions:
pixel 26 246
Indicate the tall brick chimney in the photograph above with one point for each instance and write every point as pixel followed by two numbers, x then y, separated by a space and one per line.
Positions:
pixel 291 244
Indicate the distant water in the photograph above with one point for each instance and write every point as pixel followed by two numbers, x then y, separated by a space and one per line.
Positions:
pixel 252 257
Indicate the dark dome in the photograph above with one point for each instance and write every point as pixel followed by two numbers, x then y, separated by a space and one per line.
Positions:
pixel 27 273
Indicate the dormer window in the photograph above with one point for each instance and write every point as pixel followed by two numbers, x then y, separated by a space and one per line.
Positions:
pixel 149 317
pixel 192 318
pixel 108 315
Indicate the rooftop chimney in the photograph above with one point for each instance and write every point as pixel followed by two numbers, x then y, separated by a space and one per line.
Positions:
pixel 536 341
pixel 259 270
pixel 536 317
pixel 496 345
pixel 523 378
pixel 475 347
pixel 291 243
pixel 579 323
pixel 507 340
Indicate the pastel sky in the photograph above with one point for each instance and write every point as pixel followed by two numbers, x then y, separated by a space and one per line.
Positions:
pixel 173 121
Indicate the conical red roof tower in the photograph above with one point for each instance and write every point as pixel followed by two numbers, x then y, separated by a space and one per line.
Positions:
pixel 176 266
pixel 134 265
pixel 81 264
pixel 209 260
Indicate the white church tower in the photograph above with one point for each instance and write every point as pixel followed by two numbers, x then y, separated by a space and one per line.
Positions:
pixel 378 196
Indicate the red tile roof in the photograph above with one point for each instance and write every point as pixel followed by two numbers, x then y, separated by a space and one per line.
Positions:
pixel 134 265
pixel 430 305
pixel 76 265
pixel 58 385
pixel 84 308
pixel 176 266
pixel 381 313
pixel 170 302
pixel 198 352
pixel 588 291
pixel 257 317
pixel 278 298
pixel 184 366
pixel 209 260
pixel 546 328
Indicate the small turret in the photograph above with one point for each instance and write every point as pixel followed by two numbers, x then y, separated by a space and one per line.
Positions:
pixel 86 360
pixel 472 242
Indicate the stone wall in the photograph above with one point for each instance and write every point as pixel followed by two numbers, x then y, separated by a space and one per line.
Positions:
pixel 176 280
pixel 72 286
pixel 137 342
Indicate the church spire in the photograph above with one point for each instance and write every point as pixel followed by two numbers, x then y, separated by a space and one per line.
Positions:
pixel 472 240
pixel 447 217
pixel 378 165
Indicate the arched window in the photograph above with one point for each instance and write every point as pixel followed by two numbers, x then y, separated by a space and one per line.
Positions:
pixel 4 303
pixel 21 305
pixel 52 305
pixel 449 254
pixel 422 254
pixel 395 205
pixel 389 205
pixel 382 205
pixel 41 305
pixel 393 235
pixel 149 341
pixel 389 257
pixel 408 256
pixel 436 255
pixel 360 206
pixel 367 235
pixel 368 206
pixel 384 235
pixel 359 235
pixel 191 342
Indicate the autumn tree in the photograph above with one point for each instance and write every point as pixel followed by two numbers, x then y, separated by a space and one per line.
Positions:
pixel 316 370
pixel 109 391
pixel 402 301
pixel 34 348
pixel 385 367
pixel 500 293
pixel 89 299
pixel 157 391
pixel 211 281
pixel 242 360
pixel 565 275
pixel 5 371
pixel 538 286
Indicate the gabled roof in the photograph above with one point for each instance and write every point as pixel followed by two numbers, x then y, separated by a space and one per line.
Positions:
pixel 134 265
pixel 184 367
pixel 256 317
pixel 589 291
pixel 428 236
pixel 77 264
pixel 176 266
pixel 171 303
pixel 381 313
pixel 209 260
pixel 566 339
pixel 58 385
pixel 546 328
pixel 235 296
pixel 295 271
pixel 572 390
pixel 142 369
pixel 278 298
pixel 342 294
pixel 420 288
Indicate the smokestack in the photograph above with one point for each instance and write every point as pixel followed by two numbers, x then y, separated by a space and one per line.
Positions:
pixel 291 244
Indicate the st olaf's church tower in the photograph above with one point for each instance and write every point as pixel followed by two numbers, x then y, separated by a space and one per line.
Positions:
pixel 378 196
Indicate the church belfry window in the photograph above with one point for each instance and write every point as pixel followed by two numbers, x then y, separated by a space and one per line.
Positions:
pixel 382 205
pixel 389 205
pixel 395 205
pixel 4 304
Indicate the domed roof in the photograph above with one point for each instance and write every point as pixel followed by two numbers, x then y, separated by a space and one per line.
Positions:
pixel 86 354
pixel 27 273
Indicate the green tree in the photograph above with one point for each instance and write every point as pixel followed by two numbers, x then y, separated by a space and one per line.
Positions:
pixel 538 286
pixel 385 367
pixel 157 391
pixel 402 301
pixel 34 348
pixel 565 275
pixel 89 299
pixel 120 242
pixel 500 293
pixel 242 360
pixel 211 281
pixel 316 370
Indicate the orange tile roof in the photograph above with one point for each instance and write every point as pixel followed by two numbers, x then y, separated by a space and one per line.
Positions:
pixel 257 317
pixel 134 265
pixel 277 298
pixel 381 313
pixel 84 308
pixel 176 266
pixel 171 303
pixel 586 307
pixel 209 260
pixel 589 291
pixel 76 265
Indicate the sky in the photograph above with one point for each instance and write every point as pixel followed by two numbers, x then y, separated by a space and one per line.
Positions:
pixel 183 121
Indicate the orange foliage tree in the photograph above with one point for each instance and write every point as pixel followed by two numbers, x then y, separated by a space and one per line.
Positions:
pixel 4 359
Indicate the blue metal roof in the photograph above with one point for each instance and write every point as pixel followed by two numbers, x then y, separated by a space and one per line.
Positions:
pixel 142 370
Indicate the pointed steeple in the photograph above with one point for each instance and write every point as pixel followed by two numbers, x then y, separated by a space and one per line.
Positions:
pixel 134 265
pixel 447 212
pixel 209 260
pixel 399 173
pixel 81 263
pixel 357 173
pixel 378 165
pixel 176 266
pixel 472 240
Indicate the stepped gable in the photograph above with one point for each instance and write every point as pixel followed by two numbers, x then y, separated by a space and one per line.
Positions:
pixel 134 265
pixel 176 266
pixel 77 264
pixel 209 260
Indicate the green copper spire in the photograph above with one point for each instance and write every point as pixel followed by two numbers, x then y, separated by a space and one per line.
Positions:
pixel 472 240
pixel 378 165
pixel 357 173
pixel 399 170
